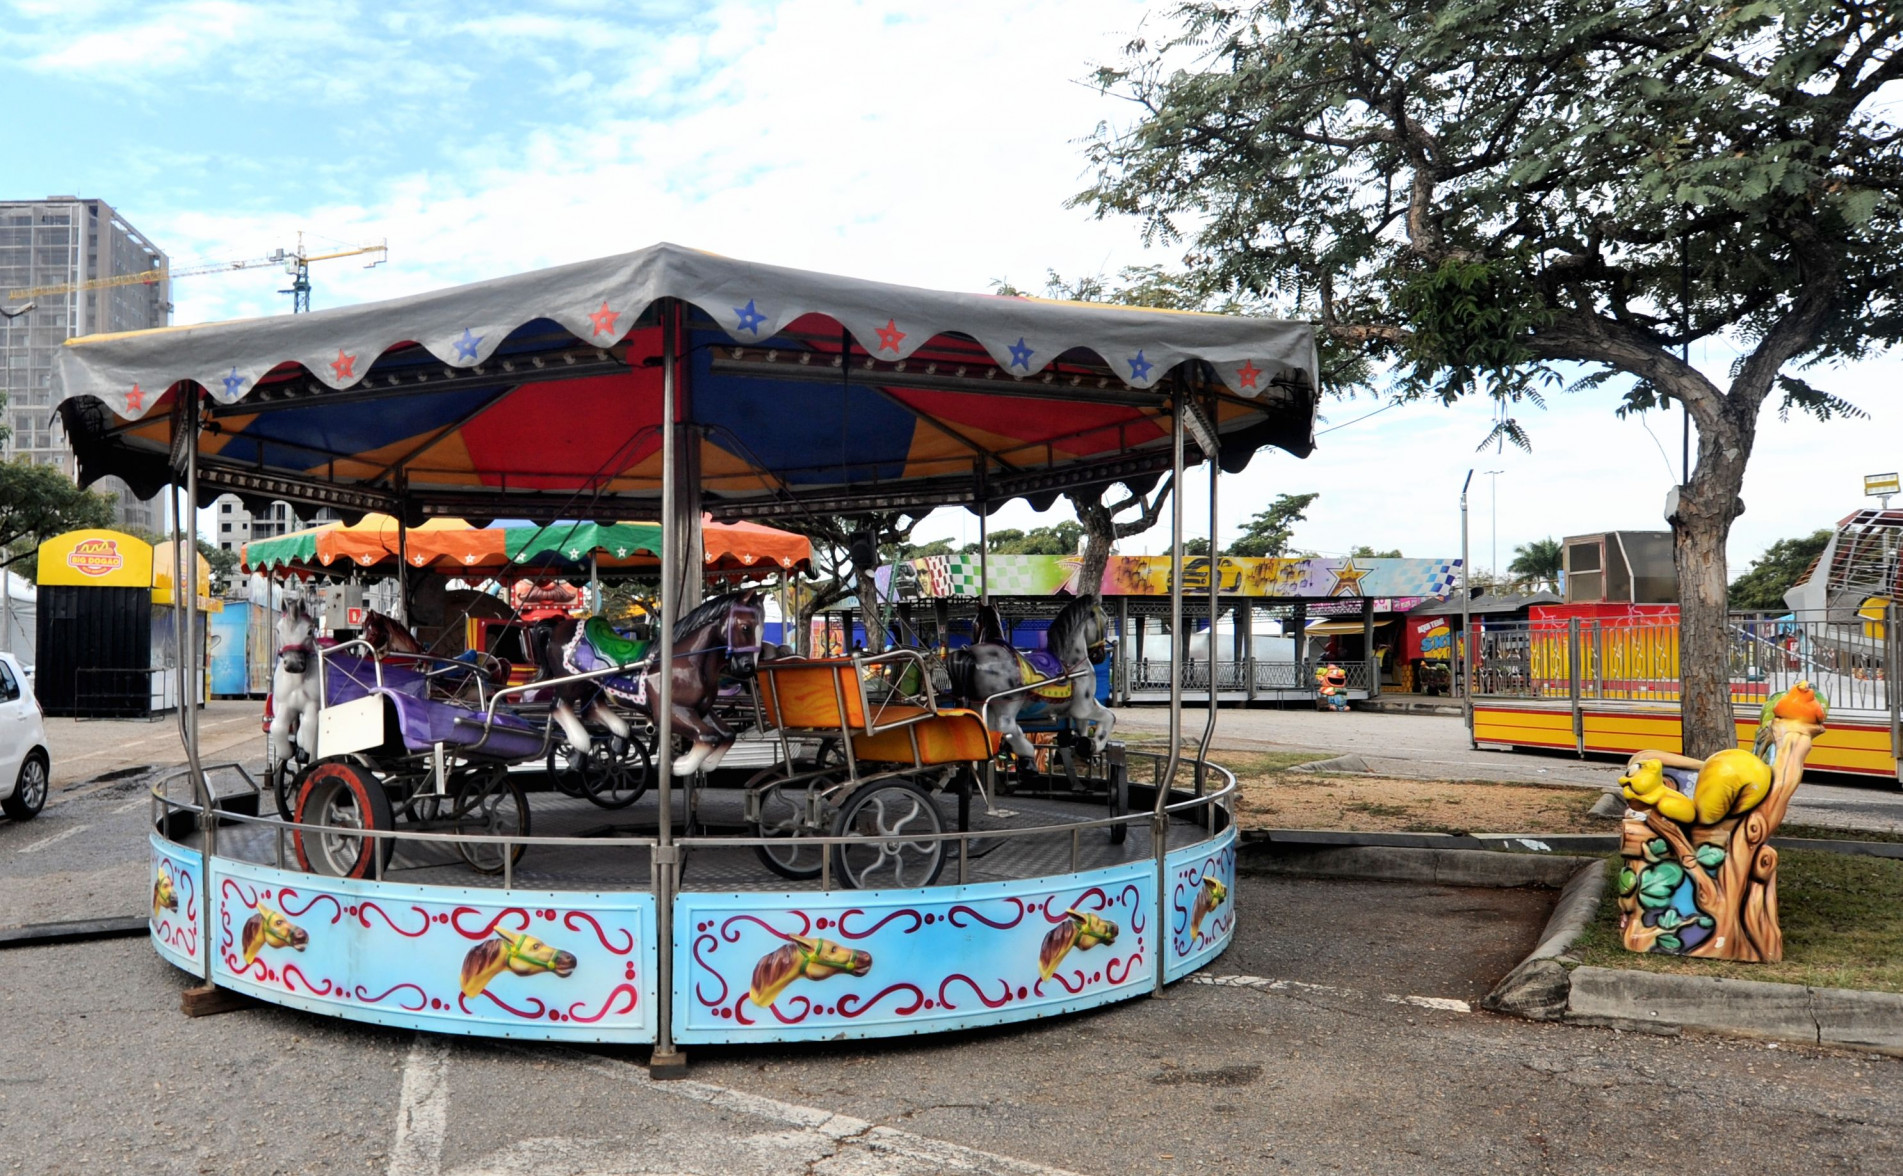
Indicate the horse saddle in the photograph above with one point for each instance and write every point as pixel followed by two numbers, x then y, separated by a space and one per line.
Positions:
pixel 596 646
pixel 1036 665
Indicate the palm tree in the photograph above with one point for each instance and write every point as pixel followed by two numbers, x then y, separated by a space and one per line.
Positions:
pixel 1537 563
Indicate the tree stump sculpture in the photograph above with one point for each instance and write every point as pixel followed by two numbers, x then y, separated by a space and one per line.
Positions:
pixel 1700 876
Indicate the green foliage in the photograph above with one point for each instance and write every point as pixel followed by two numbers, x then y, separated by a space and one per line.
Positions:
pixel 921 550
pixel 1656 850
pixel 1657 884
pixel 1710 856
pixel 1537 563
pixel 1364 551
pixel 1057 539
pixel 223 564
pixel 1777 571
pixel 1269 531
pixel 1628 881
pixel 38 502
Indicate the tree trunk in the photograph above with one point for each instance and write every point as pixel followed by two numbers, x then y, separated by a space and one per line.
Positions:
pixel 870 613
pixel 1099 534
pixel 1700 526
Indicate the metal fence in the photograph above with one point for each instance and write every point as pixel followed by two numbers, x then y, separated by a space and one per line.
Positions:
pixel 1234 677
pixel 1612 660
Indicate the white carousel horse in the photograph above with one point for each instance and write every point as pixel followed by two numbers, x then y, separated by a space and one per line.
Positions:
pixel 989 666
pixel 294 686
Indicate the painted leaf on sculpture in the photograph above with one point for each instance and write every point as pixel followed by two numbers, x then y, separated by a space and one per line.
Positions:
pixel 1656 887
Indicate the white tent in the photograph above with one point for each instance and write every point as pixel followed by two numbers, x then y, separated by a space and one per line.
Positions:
pixel 17 631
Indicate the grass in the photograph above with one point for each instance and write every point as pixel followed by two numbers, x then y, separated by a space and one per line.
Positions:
pixel 1833 833
pixel 1842 917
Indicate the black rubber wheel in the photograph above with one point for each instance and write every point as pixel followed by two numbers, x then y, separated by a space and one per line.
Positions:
pixel 562 770
pixel 880 816
pixel 1119 778
pixel 490 804
pixel 284 781
pixel 29 789
pixel 782 812
pixel 338 794
pixel 609 780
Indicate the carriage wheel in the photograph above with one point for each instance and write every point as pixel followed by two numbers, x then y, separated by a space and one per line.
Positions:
pixel 563 772
pixel 284 782
pixel 882 816
pixel 341 796
pixel 782 814
pixel 490 804
pixel 616 781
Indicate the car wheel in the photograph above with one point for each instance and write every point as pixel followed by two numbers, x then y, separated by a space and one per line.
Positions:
pixel 29 791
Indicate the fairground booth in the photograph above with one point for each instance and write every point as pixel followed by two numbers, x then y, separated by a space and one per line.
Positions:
pixel 109 625
pixel 865 883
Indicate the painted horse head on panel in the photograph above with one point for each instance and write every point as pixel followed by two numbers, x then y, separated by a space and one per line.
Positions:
pixel 720 637
pixel 1059 681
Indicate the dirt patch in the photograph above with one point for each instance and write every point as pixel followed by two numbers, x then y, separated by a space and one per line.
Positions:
pixel 1379 804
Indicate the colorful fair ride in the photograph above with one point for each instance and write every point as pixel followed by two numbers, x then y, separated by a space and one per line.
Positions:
pixel 670 377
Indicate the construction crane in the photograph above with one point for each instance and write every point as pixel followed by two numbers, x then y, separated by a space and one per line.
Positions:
pixel 296 263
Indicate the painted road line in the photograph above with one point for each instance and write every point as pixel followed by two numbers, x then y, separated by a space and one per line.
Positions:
pixel 43 842
pixel 1265 984
pixel 422 1114
pixel 874 1148
pixel 135 802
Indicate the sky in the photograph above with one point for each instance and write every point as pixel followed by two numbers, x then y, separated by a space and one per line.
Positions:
pixel 919 142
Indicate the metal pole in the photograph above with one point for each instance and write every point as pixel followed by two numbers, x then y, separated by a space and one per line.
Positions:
pixel 666 853
pixel 594 583
pixel 184 614
pixel 984 556
pixel 1159 822
pixel 403 568
pixel 1466 618
pixel 1215 588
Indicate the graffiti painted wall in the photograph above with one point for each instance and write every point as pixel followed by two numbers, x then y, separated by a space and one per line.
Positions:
pixel 938 576
pixel 802 967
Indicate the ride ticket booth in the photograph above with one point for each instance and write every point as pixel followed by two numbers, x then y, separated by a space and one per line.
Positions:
pixel 107 630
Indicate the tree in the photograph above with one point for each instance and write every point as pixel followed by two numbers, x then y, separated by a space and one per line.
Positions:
pixel 1777 571
pixel 1537 563
pixel 1102 529
pixel 38 502
pixel 1480 190
pixel 1267 534
pixel 223 563
pixel 1057 539
pixel 838 576
pixel 1365 552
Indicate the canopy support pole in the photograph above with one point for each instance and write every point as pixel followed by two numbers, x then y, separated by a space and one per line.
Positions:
pixel 594 583
pixel 1159 820
pixel 403 567
pixel 666 1060
pixel 1215 606
pixel 185 619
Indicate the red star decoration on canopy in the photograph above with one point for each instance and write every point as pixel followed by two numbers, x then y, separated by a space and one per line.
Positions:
pixel 604 319
pixel 344 365
pixel 890 336
pixel 1247 373
pixel 136 397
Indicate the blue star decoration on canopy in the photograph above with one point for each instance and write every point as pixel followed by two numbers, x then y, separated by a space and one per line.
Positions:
pixel 750 317
pixel 233 382
pixel 1139 367
pixel 466 346
pixel 1021 355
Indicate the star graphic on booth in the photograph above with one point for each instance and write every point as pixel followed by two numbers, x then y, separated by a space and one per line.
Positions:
pixel 750 317
pixel 1247 373
pixel 466 346
pixel 344 365
pixel 1021 355
pixel 136 397
pixel 233 382
pixel 890 336
pixel 1139 367
pixel 1348 579
pixel 604 319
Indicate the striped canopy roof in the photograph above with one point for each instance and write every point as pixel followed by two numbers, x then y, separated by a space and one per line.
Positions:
pixel 540 394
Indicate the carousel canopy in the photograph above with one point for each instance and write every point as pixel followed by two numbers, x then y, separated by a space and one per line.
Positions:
pixel 373 544
pixel 541 393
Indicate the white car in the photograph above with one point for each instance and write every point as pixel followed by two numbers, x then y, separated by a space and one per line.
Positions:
pixel 24 764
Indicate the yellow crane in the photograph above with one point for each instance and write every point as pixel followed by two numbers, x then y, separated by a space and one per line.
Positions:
pixel 296 262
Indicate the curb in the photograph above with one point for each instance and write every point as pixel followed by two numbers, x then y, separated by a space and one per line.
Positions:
pixel 1539 987
pixel 76 931
pixel 1470 866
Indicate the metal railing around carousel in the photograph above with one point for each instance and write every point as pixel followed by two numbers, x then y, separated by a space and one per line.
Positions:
pixel 257 838
pixel 1153 674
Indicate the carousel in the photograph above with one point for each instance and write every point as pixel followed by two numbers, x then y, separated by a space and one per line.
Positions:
pixel 907 863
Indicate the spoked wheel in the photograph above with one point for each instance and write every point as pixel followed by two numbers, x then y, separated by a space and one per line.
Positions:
pixel 782 814
pixel 609 780
pixel 883 815
pixel 347 801
pixel 284 780
pixel 490 804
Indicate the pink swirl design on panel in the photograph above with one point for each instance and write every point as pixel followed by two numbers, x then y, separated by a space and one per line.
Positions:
pixel 487 929
pixel 1082 982
pixel 918 921
pixel 1129 966
pixel 952 915
pixel 945 1000
pixel 178 936
pixel 364 910
pixel 607 1006
pixel 290 986
pixel 287 896
pixel 717 1001
pixel 732 936
pixel 568 921
pixel 851 1006
pixel 534 1014
pixel 806 1007
pixel 245 971
pixel 422 998
pixel 247 896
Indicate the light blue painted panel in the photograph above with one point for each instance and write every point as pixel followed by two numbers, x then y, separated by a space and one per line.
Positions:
pixel 802 967
pixel 1201 903
pixel 177 906
pixel 562 966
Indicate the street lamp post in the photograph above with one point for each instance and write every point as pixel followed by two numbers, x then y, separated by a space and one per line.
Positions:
pixel 6 569
pixel 1493 510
